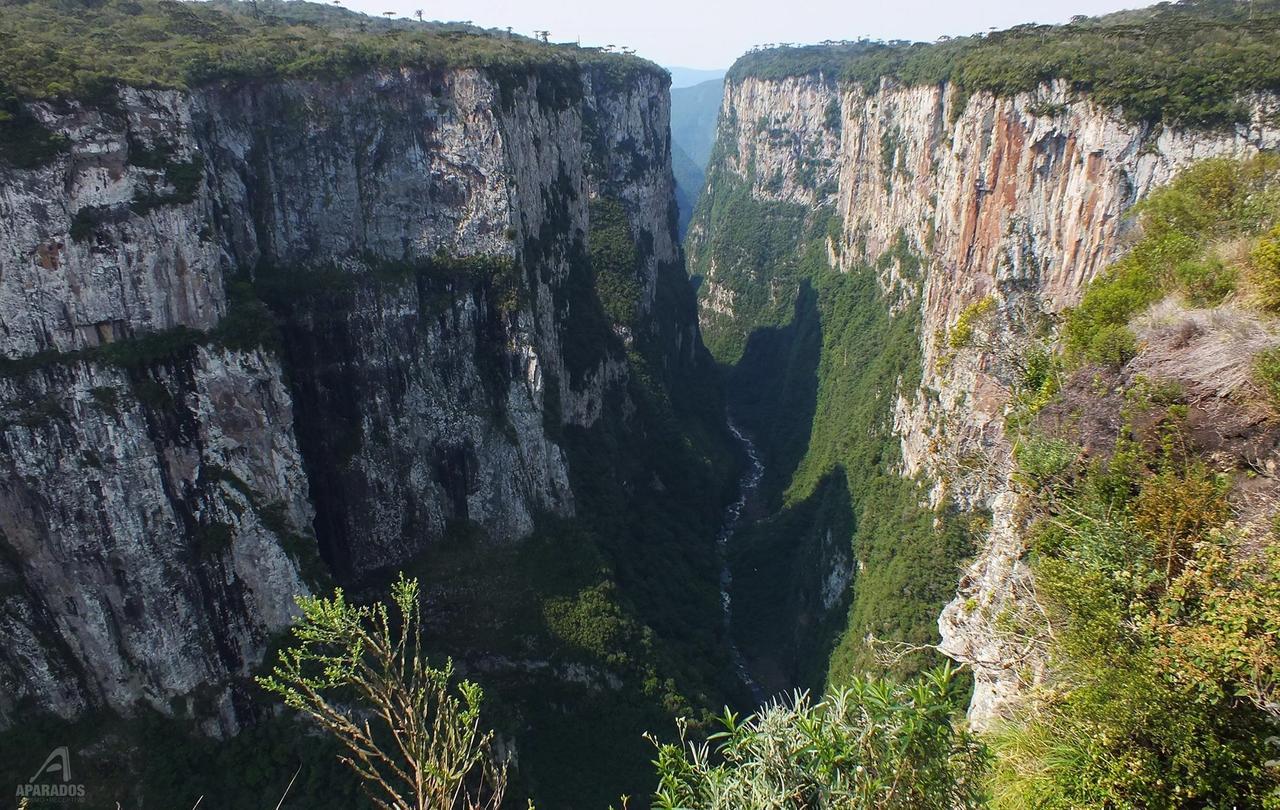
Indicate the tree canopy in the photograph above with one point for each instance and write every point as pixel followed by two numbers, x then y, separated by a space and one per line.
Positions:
pixel 81 48
pixel 1185 63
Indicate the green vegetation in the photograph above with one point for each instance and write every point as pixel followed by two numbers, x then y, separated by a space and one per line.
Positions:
pixel 1183 63
pixel 1266 265
pixel 24 141
pixel 1158 590
pixel 76 48
pixel 759 241
pixel 1266 371
pixel 169 762
pixel 568 596
pixel 961 335
pixel 409 731
pixel 1160 616
pixel 615 260
pixel 818 363
pixel 1191 232
pixel 871 744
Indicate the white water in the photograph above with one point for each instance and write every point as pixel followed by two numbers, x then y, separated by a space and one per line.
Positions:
pixel 732 519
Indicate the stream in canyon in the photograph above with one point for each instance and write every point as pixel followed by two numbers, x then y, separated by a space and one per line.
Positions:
pixel 732 521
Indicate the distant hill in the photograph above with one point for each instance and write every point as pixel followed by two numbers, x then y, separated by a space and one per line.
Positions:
pixel 694 111
pixel 688 77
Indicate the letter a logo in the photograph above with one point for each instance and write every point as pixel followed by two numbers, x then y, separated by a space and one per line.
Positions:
pixel 58 763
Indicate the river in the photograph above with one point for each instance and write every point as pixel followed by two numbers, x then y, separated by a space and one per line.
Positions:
pixel 732 520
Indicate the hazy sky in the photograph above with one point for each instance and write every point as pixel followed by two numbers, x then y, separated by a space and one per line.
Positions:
pixel 708 34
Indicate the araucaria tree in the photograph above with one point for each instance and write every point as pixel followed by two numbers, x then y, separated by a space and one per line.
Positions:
pixel 410 733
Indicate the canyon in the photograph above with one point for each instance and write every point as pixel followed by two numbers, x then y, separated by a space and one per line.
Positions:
pixel 415 299
pixel 952 201
pixel 265 337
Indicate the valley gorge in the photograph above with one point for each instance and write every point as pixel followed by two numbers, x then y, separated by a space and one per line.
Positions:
pixel 956 408
pixel 266 337
pixel 939 204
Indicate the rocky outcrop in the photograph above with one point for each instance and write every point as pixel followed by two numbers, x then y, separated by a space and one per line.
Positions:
pixel 955 200
pixel 156 528
pixel 180 461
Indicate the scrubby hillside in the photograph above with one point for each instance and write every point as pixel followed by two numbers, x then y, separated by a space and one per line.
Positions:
pixel 1146 446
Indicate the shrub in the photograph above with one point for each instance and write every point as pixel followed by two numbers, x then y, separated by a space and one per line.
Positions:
pixel 961 335
pixel 1042 458
pixel 1205 282
pixel 84 223
pixel 1036 384
pixel 1266 267
pixel 25 143
pixel 872 744
pixel 1266 372
pixel 412 734
pixel 1160 685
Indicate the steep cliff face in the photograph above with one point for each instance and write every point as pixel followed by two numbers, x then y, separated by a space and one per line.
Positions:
pixel 176 453
pixel 961 205
pixel 139 564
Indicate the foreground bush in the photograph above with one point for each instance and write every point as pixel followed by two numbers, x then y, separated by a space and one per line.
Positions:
pixel 873 744
pixel 411 734
pixel 1161 623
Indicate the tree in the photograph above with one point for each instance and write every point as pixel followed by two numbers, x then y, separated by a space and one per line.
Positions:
pixel 411 734
pixel 873 745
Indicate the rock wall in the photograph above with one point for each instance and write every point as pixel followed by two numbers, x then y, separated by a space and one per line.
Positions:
pixel 1018 199
pixel 179 462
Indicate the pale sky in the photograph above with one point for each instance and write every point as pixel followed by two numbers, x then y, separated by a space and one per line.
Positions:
pixel 708 34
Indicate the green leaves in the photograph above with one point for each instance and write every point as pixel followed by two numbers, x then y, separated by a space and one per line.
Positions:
pixel 872 744
pixel 412 735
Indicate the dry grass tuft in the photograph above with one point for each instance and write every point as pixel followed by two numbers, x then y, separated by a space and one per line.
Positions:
pixel 1210 351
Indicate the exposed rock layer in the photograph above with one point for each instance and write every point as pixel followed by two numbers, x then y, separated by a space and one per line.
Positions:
pixel 162 502
pixel 1020 199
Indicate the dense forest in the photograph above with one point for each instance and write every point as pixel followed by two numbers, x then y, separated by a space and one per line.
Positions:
pixel 1181 63
pixel 73 49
